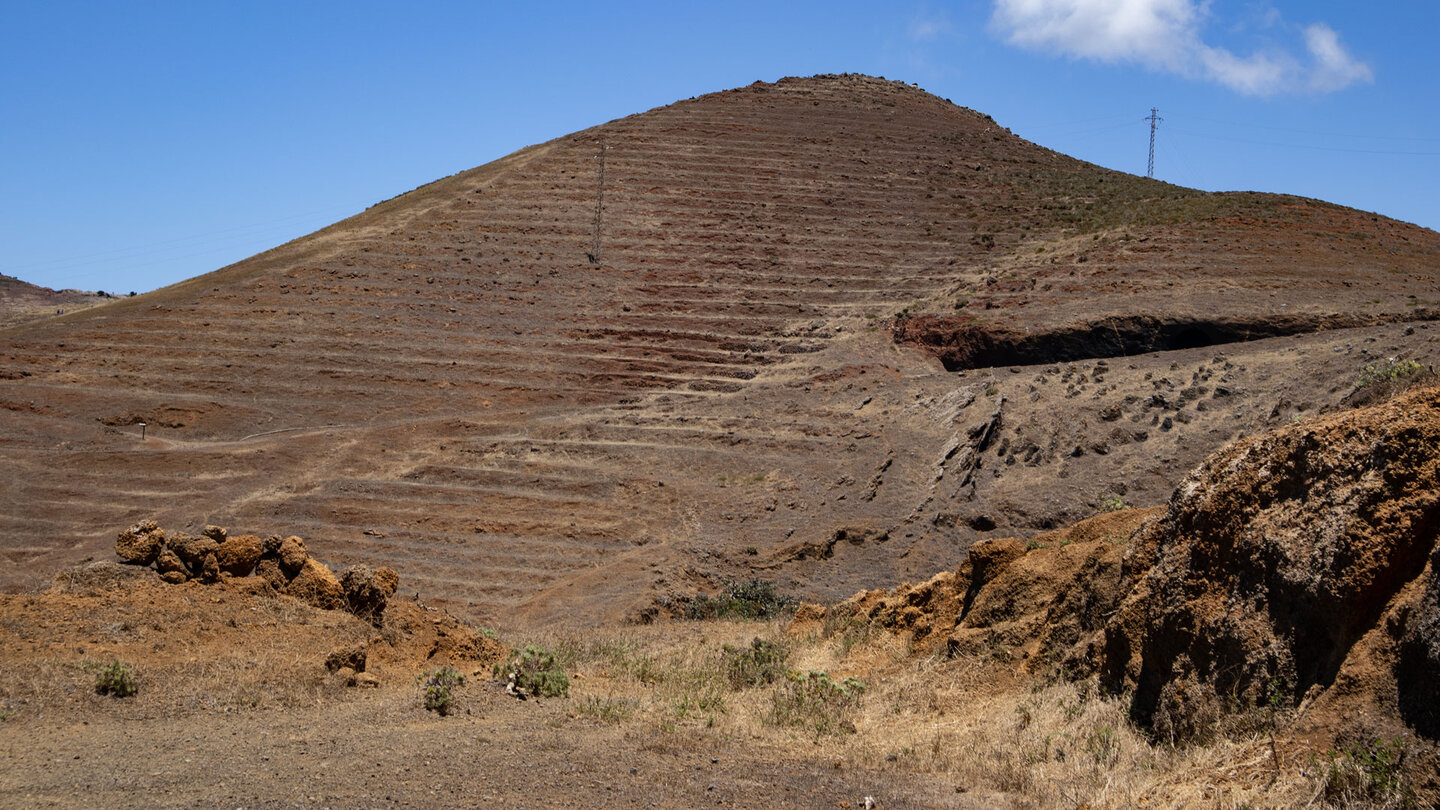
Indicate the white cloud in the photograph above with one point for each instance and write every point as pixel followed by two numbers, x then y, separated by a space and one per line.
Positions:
pixel 1166 35
pixel 1334 67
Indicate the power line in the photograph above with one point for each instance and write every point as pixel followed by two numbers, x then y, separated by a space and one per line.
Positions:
pixel 1319 133
pixel 1350 150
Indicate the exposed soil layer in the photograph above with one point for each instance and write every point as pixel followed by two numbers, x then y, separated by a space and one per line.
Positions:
pixel 962 342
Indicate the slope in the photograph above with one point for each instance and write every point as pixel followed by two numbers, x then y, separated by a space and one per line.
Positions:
pixel 706 341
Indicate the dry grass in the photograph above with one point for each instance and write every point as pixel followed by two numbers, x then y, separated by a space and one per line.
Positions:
pixel 976 724
pixel 999 737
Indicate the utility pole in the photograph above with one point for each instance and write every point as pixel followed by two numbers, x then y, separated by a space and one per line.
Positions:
pixel 1153 119
pixel 599 202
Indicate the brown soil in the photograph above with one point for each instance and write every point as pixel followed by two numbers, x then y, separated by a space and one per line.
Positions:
pixel 235 706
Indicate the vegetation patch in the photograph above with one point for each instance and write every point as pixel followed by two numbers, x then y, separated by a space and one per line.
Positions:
pixel 816 701
pixel 608 709
pixel 116 679
pixel 1114 503
pixel 1386 379
pixel 1368 773
pixel 753 600
pixel 534 670
pixel 760 664
pixel 436 686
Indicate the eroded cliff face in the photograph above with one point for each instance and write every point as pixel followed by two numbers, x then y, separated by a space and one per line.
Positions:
pixel 1297 573
pixel 1279 555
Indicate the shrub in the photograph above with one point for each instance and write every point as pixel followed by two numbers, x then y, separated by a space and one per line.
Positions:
pixel 817 701
pixel 1368 771
pixel 536 671
pixel 435 688
pixel 1114 503
pixel 1389 370
pixel 1388 378
pixel 741 600
pixel 444 676
pixel 761 664
pixel 117 679
pixel 439 700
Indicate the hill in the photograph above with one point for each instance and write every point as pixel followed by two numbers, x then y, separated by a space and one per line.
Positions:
pixel 21 301
pixel 827 332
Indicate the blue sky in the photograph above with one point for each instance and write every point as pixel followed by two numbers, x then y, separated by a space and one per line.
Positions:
pixel 148 142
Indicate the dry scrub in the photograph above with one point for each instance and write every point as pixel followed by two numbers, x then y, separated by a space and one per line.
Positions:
pixel 1000 738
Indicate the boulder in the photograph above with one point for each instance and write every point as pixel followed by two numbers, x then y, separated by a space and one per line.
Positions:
pixel 237 556
pixel 367 590
pixel 268 569
pixel 192 550
pixel 216 533
pixel 318 586
pixel 140 545
pixel 352 657
pixel 169 563
pixel 175 577
pixel 210 568
pixel 292 555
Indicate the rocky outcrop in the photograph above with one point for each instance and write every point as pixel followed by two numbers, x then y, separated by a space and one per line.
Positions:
pixel 1417 668
pixel 1277 555
pixel 237 556
pixel 282 564
pixel 1040 601
pixel 1296 570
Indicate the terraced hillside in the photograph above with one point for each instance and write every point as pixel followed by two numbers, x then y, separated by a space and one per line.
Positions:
pixel 826 331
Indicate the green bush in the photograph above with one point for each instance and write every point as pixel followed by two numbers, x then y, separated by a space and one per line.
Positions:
pixel 439 700
pixel 117 679
pixel 1389 370
pixel 1114 503
pixel 817 701
pixel 762 663
pixel 741 600
pixel 1388 378
pixel 536 671
pixel 435 688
